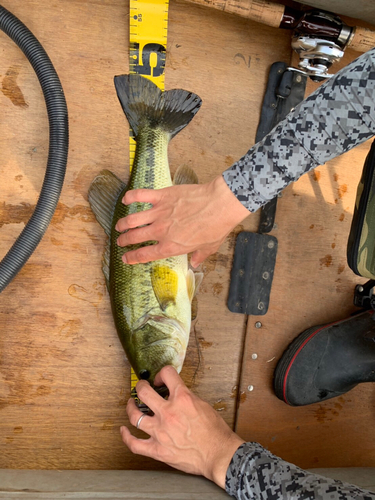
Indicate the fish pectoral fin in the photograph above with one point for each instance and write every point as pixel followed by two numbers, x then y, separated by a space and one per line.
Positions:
pixel 190 282
pixel 193 281
pixel 165 285
pixel 185 175
pixel 103 194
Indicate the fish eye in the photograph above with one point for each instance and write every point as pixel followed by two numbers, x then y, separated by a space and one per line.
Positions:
pixel 144 374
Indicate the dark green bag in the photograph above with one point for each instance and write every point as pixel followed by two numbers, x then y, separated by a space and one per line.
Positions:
pixel 361 243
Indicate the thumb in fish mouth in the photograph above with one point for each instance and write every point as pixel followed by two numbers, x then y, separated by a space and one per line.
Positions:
pixel 162 390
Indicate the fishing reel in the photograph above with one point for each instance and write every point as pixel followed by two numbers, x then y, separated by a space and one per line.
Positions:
pixel 319 38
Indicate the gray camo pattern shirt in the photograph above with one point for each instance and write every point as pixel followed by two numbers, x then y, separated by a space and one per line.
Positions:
pixel 254 473
pixel 339 115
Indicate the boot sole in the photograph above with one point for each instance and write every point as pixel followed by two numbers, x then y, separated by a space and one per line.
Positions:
pixel 290 354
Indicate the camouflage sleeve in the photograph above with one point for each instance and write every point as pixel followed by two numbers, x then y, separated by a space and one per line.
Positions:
pixel 339 115
pixel 254 473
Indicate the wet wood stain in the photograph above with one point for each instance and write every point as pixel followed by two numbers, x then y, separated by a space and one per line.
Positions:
pixel 11 89
pixel 93 296
pixel 342 190
pixel 326 261
pixel 220 405
pixel 217 288
pixel 327 412
pixel 229 161
pixel 316 175
pixel 15 214
pixel 204 344
pixel 340 268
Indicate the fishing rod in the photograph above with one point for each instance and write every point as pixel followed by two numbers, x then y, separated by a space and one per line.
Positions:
pixel 57 112
pixel 319 37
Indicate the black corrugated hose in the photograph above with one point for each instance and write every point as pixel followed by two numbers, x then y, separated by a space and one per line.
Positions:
pixel 57 111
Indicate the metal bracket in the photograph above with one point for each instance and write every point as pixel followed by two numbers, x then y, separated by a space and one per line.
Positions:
pixel 250 285
pixel 364 295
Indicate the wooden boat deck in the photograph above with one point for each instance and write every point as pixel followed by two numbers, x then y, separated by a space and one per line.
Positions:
pixel 64 379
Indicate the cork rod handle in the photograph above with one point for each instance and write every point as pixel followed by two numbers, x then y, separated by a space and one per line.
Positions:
pixel 261 11
pixel 272 14
pixel 362 40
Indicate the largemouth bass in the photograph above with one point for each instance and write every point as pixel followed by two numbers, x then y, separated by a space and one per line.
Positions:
pixel 151 303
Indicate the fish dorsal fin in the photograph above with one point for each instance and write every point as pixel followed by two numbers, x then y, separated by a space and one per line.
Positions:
pixel 165 284
pixel 105 265
pixel 185 175
pixel 198 281
pixel 193 281
pixel 103 195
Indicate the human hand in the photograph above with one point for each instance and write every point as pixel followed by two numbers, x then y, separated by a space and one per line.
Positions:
pixel 185 432
pixel 185 218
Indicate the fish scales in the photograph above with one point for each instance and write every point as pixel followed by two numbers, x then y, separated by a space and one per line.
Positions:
pixel 150 170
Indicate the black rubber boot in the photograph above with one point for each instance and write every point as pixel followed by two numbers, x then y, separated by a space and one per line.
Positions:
pixel 328 360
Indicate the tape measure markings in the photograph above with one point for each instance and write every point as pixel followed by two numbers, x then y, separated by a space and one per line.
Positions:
pixel 148 29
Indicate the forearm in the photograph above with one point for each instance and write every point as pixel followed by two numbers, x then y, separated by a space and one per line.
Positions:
pixel 254 473
pixel 339 115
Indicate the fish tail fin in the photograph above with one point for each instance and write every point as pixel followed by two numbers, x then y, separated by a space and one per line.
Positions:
pixel 144 104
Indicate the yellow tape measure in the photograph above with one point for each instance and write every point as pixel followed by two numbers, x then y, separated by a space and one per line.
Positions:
pixel 147 51
pixel 148 43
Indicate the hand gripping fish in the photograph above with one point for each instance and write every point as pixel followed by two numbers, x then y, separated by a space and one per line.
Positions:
pixel 151 303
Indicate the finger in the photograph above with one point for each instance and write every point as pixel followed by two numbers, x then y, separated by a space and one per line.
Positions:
pixel 137 418
pixel 149 396
pixel 135 220
pixel 134 236
pixel 199 256
pixel 135 445
pixel 143 255
pixel 142 195
pixel 168 376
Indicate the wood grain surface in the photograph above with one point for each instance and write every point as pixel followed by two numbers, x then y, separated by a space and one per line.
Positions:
pixel 64 378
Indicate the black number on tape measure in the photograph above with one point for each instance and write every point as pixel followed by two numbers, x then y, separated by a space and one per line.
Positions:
pixel 151 53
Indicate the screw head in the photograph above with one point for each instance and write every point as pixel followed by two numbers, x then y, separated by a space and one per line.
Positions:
pixel 260 306
pixel 265 275
pixel 271 244
pixel 250 388
pixel 258 324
